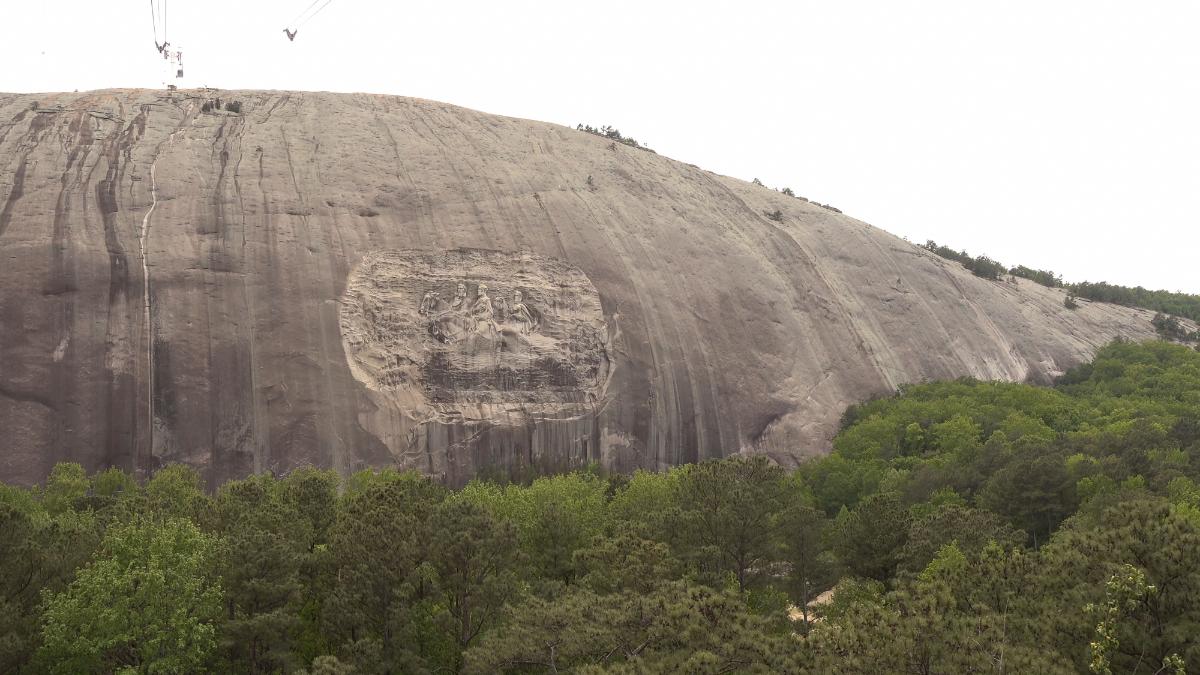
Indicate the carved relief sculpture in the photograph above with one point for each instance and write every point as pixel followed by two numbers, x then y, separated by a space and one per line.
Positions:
pixel 482 312
pixel 545 345
pixel 521 314
pixel 430 302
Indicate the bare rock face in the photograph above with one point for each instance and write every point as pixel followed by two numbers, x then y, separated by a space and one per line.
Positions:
pixel 351 281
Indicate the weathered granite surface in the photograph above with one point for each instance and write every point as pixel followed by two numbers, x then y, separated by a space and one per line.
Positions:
pixel 257 291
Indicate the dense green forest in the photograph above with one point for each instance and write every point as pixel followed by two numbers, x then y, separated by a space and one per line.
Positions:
pixel 967 526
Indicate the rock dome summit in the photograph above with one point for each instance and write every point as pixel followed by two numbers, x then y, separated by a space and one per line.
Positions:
pixel 351 281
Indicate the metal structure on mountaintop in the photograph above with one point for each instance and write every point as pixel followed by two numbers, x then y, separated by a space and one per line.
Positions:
pixel 158 22
pixel 158 19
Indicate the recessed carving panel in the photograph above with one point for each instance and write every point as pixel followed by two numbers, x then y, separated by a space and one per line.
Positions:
pixel 475 326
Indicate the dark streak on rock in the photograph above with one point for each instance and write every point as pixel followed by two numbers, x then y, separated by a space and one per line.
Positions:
pixel 26 397
pixel 15 121
pixel 32 138
pixel 122 409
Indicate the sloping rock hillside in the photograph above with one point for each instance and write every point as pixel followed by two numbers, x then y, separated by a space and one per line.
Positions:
pixel 352 280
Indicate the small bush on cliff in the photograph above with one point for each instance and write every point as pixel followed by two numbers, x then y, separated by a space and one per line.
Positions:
pixel 613 134
pixel 1044 277
pixel 982 266
pixel 1169 328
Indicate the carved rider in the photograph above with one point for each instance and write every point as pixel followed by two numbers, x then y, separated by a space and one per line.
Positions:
pixel 460 297
pixel 430 302
pixel 500 304
pixel 449 323
pixel 521 313
pixel 481 310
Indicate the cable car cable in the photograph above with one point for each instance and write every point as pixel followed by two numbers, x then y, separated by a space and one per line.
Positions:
pixel 310 16
pixel 310 6
pixel 154 24
pixel 158 18
pixel 304 17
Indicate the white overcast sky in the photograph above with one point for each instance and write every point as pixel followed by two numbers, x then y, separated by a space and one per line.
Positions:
pixel 1057 134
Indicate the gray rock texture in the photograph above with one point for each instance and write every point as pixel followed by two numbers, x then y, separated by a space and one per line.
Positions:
pixel 279 287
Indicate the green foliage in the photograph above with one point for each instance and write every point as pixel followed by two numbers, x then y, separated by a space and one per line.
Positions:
pixel 948 563
pixel 147 603
pixel 1091 453
pixel 1125 591
pixel 1033 491
pixel 217 104
pixel 812 569
pixel 1166 302
pixel 474 557
pixel 328 665
pixel 66 487
pixel 625 562
pixel 851 594
pixel 678 628
pixel 649 503
pixel 263 539
pixel 731 510
pixel 176 492
pixel 981 266
pixel 314 496
pixel 1043 277
pixel 869 539
pixel 1169 328
pixel 985 267
pixel 113 483
pixel 38 553
pixel 959 526
pixel 613 134
pixel 923 627
pixel 555 517
pixel 377 604
pixel 1091 565
pixel 969 530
